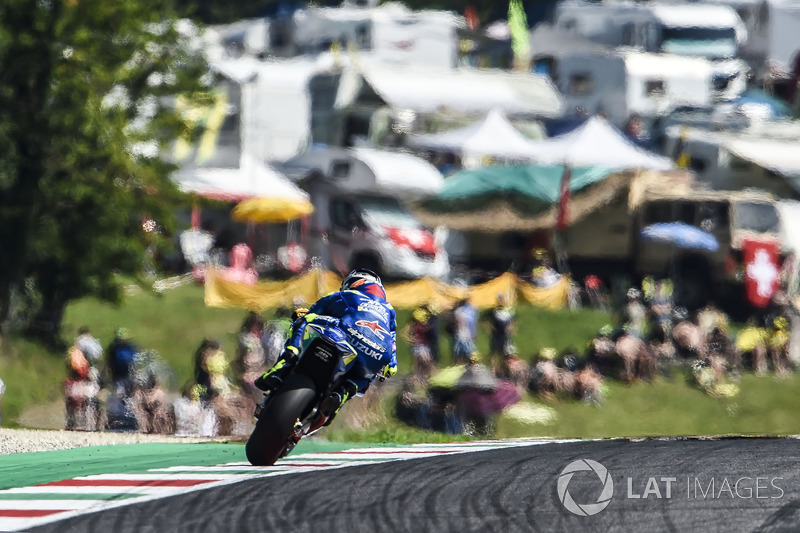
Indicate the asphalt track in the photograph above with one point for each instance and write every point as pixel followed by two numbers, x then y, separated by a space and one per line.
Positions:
pixel 756 487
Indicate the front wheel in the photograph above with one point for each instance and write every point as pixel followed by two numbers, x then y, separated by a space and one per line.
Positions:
pixel 276 422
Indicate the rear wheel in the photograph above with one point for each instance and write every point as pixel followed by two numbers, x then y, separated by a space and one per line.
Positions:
pixel 275 423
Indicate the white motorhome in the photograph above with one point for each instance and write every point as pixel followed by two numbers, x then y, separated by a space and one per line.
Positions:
pixel 713 32
pixel 360 218
pixel 773 33
pixel 623 82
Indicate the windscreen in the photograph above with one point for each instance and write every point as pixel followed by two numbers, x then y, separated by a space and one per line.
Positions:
pixel 711 43
pixel 387 212
pixel 755 216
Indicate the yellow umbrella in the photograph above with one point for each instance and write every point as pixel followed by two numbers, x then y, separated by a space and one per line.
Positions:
pixel 266 210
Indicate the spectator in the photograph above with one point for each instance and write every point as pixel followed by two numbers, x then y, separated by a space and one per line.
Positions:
pixel 432 331
pixel 501 323
pixel 601 354
pixel 210 365
pixel 719 344
pixel 634 315
pixel 89 345
pixel 250 357
pixel 543 274
pixel 81 390
pixel 660 301
pixel 121 357
pixel 751 342
pixel 150 404
pixel 465 318
pixel 121 354
pixel 192 417
pixel 415 332
pixel 686 334
pixel 275 334
pixel 595 292
pixel 779 345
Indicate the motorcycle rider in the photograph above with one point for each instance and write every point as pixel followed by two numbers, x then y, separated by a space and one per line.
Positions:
pixel 368 321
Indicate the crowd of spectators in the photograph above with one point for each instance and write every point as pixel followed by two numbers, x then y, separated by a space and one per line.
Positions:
pixel 649 336
pixel 126 387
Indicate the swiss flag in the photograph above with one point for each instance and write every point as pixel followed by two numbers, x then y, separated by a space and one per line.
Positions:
pixel 761 270
pixel 562 220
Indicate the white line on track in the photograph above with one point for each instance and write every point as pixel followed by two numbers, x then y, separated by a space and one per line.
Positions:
pixel 214 476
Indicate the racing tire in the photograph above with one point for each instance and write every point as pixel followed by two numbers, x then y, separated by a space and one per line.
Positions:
pixel 276 421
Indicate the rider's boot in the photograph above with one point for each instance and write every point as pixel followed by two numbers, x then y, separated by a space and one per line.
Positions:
pixel 274 377
pixel 332 404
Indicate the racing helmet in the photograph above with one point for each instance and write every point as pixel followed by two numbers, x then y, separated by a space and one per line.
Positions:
pixel 366 281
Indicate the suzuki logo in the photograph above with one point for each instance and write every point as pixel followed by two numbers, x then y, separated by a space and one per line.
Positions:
pixel 373 326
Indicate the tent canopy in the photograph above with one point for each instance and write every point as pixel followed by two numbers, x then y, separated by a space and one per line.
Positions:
pixel 598 143
pixel 466 91
pixel 529 189
pixel 781 157
pixel 494 135
pixel 252 179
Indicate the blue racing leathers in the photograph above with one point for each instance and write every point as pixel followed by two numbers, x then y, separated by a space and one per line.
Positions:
pixel 369 324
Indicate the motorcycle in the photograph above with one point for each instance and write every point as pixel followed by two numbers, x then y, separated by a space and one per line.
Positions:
pixel 292 411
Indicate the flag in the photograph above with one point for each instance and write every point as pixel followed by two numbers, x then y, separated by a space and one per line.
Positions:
pixel 761 272
pixel 518 26
pixel 562 220
pixel 473 22
pixel 681 154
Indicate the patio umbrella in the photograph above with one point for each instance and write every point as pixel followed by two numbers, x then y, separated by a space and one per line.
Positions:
pixel 266 210
pixel 681 235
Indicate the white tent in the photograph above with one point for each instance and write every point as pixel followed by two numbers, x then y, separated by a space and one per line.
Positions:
pixel 252 179
pixel 494 135
pixel 596 143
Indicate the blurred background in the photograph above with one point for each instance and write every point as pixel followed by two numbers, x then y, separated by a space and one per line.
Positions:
pixel 601 196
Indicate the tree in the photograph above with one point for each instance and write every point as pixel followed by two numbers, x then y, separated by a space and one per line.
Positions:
pixel 86 92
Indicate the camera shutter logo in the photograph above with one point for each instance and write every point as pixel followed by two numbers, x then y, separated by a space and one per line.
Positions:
pixel 586 509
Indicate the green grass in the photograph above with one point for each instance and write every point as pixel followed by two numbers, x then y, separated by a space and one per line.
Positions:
pixel 32 376
pixel 175 322
pixel 671 406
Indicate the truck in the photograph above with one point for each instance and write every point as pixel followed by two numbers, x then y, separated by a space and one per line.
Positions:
pixel 361 218
pixel 773 40
pixel 609 239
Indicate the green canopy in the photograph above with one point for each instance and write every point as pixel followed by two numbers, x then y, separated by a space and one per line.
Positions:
pixel 528 188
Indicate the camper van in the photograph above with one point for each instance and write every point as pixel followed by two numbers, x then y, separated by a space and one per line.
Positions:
pixel 621 84
pixel 360 217
pixel 712 32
